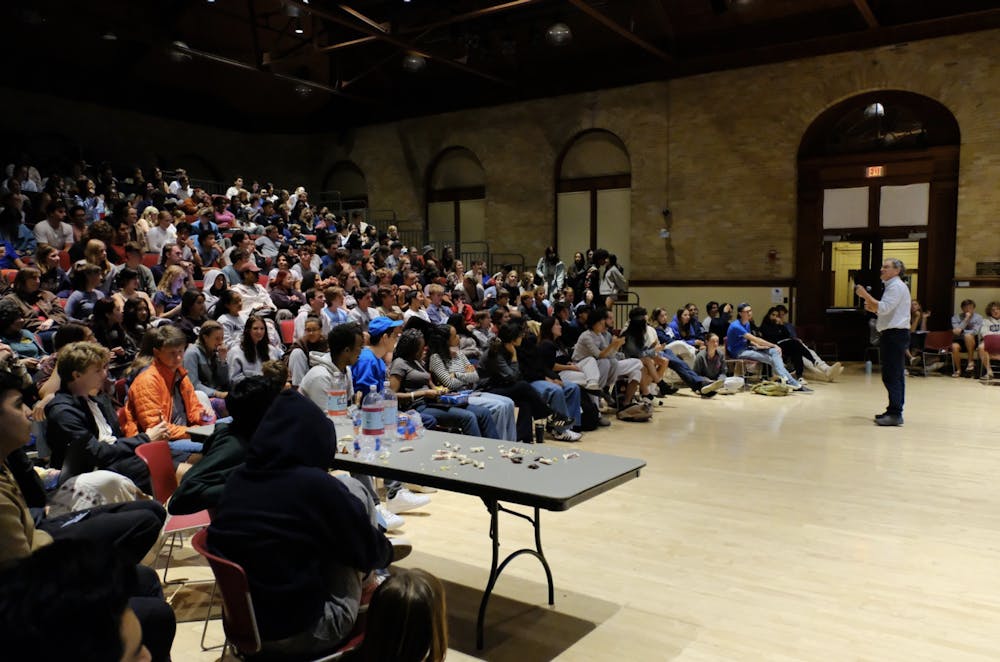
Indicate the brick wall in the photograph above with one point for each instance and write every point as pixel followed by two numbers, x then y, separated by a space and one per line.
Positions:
pixel 718 149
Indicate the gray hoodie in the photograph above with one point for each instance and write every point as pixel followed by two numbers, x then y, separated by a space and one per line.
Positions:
pixel 319 379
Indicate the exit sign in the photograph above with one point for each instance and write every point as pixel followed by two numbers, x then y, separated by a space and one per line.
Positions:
pixel 874 171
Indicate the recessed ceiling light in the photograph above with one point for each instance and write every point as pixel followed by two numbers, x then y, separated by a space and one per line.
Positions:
pixel 109 36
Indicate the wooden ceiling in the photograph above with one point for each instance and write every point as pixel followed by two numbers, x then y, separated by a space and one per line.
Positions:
pixel 302 66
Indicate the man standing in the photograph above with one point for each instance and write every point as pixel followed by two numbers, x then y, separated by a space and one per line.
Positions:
pixel 894 327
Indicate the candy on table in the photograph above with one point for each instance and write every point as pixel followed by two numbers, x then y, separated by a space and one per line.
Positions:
pixel 571 456
pixel 405 449
pixel 447 444
pixel 545 460
pixel 479 465
pixel 477 449
pixel 532 466
pixel 516 459
pixel 464 461
pixel 384 455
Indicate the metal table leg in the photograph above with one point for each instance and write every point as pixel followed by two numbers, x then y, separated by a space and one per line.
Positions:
pixel 497 566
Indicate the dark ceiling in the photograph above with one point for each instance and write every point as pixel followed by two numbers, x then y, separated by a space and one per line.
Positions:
pixel 242 64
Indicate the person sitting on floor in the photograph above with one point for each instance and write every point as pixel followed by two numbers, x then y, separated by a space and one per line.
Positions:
pixel 283 499
pixel 83 430
pixel 990 327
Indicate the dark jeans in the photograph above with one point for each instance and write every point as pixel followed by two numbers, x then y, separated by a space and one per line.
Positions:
pixel 132 528
pixel 894 344
pixel 530 407
pixel 155 615
pixel 794 352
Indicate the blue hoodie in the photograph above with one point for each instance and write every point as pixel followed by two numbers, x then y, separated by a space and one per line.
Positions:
pixel 288 522
pixel 694 331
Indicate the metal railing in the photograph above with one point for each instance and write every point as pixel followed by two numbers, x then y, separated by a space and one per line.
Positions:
pixel 497 261
pixel 626 301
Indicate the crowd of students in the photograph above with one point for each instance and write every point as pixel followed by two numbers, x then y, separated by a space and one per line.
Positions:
pixel 256 305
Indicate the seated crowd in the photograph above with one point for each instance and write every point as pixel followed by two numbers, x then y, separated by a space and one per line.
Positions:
pixel 179 309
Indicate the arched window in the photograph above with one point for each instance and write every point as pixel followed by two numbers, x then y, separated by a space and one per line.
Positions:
pixel 347 179
pixel 594 196
pixel 456 197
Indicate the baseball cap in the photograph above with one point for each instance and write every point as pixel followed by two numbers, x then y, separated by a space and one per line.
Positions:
pixel 251 266
pixel 379 325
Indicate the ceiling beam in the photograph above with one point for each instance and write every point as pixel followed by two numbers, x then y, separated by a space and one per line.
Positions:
pixel 398 43
pixel 866 13
pixel 620 31
pixel 469 16
pixel 409 30
pixel 986 19
pixel 361 17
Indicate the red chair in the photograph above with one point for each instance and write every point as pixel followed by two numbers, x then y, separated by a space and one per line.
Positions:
pixel 992 346
pixel 10 275
pixel 262 279
pixel 239 621
pixel 64 262
pixel 937 344
pixel 156 455
pixel 287 331
pixel 150 259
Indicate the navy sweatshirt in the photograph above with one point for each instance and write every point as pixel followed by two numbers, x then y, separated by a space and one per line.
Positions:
pixel 287 521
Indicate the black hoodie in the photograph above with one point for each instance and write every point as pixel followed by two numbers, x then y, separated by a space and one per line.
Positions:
pixel 288 522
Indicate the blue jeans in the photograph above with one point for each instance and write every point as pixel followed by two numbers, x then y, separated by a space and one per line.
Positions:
pixel 684 371
pixel 563 400
pixel 771 357
pixel 501 411
pixel 894 343
pixel 471 420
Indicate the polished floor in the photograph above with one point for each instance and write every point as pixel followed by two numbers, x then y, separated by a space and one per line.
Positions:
pixel 763 528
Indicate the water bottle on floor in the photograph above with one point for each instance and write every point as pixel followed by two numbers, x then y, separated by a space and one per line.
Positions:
pixel 868 367
pixel 372 424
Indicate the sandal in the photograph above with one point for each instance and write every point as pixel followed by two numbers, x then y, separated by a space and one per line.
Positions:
pixel 956 374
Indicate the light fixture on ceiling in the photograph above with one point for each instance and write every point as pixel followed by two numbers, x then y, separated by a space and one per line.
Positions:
pixel 559 34
pixel 414 62
pixel 180 52
pixel 298 26
pixel 109 36
pixel 303 90
pixel 875 110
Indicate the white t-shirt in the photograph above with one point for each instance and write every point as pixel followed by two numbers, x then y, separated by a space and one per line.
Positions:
pixel 59 238
pixel 157 237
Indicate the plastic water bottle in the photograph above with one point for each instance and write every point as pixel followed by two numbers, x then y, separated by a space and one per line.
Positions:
pixel 389 411
pixel 868 367
pixel 416 423
pixel 336 408
pixel 372 424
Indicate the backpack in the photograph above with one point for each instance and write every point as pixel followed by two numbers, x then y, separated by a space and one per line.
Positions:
pixel 589 415
pixel 772 388
pixel 637 413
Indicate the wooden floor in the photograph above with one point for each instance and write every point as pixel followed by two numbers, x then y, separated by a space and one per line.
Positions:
pixel 762 529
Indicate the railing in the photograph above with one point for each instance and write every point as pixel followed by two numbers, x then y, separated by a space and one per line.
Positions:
pixel 498 260
pixel 626 301
pixel 209 186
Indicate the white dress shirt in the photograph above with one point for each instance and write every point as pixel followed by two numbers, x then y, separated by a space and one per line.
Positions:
pixel 894 307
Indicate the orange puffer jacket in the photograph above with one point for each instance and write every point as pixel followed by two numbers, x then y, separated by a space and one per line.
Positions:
pixel 150 401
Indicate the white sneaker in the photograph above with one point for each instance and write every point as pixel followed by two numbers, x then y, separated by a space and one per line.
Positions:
pixel 712 387
pixel 392 521
pixel 565 434
pixel 406 500
pixel 834 371
pixel 592 386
